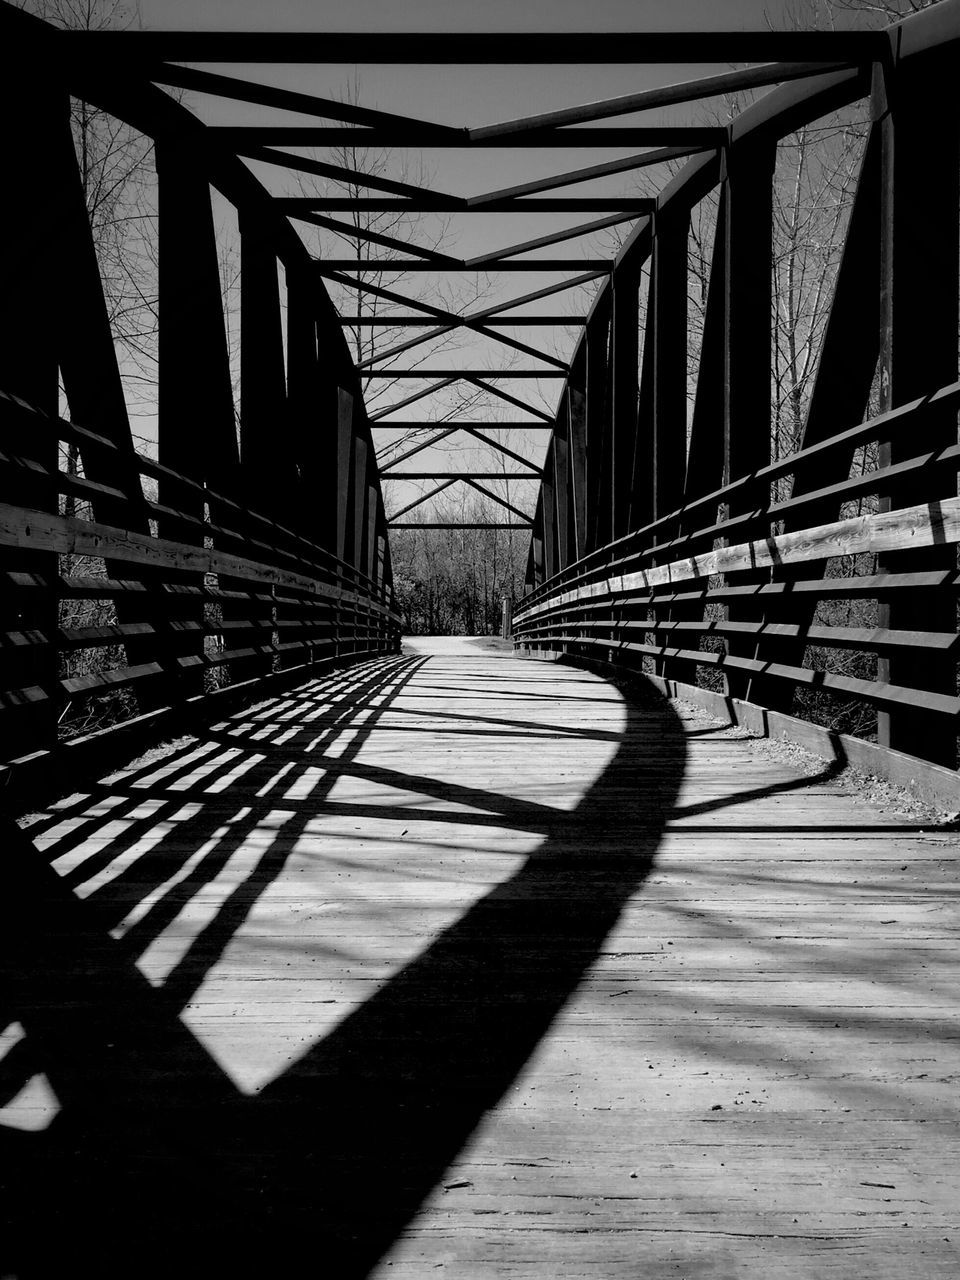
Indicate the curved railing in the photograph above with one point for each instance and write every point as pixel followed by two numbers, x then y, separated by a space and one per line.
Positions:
pixel 254 543
pixel 675 541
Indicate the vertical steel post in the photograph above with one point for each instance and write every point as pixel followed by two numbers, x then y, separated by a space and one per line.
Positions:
pixel 197 433
pixel 625 349
pixel 919 323
pixel 577 419
pixel 669 368
pixel 35 113
pixel 506 617
pixel 748 225
pixel 598 460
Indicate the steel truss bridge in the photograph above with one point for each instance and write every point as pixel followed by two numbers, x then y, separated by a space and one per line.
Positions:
pixel 248 564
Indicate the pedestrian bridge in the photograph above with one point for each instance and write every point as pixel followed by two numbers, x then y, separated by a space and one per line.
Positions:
pixel 598 951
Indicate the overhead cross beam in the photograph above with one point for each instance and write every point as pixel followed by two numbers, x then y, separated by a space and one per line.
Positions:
pixel 348 177
pixel 467 321
pixel 424 444
pixel 488 493
pixel 494 259
pixel 496 444
pixel 450 319
pixel 413 322
pixel 429 203
pixel 466 374
pixel 477 381
pixel 473 48
pixel 649 100
pixel 452 480
pixel 400 266
pixel 417 395
pixel 424 497
pixel 445 329
pixel 590 173
pixel 433 136
pixel 265 95
pixel 464 475
pixel 408 424
pixel 468 429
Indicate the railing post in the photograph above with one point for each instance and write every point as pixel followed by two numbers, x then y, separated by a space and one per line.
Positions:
pixel 506 617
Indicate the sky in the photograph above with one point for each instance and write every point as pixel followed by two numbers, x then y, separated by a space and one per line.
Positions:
pixel 471 96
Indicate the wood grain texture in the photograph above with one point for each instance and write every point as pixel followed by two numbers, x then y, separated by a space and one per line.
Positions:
pixel 929 524
pixel 459 963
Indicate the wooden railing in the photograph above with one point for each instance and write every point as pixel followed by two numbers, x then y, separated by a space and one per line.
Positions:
pixel 669 591
pixel 118 604
pixel 803 566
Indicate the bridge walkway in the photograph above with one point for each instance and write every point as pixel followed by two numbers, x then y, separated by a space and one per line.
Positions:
pixel 459 963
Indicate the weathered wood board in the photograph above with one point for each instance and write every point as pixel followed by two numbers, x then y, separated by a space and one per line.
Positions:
pixel 463 964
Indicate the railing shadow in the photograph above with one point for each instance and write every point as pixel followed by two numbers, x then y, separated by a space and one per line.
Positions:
pixel 158 1165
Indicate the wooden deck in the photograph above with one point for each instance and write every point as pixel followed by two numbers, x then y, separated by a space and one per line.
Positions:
pixel 463 964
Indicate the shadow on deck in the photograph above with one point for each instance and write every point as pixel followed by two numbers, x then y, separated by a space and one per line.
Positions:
pixel 156 1162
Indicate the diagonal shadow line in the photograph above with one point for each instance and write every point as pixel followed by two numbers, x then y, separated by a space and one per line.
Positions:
pixel 539 729
pixel 138 789
pixel 437 788
pixel 453 1029
pixel 832 770
pixel 109 905
pixel 206 948
pixel 849 830
pixel 509 690
pixel 337 1155
pixel 182 762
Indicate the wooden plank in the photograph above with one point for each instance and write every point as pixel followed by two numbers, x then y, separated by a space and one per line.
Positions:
pixel 573 980
pixel 875 692
pixel 930 467
pixel 870 639
pixel 26 529
pixel 911 527
pixel 474 48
